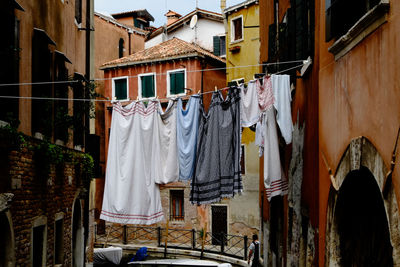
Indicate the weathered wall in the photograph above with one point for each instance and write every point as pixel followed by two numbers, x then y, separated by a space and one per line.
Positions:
pixel 40 196
pixel 57 18
pixel 359 94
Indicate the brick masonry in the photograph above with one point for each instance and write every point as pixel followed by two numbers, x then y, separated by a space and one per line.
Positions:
pixel 39 196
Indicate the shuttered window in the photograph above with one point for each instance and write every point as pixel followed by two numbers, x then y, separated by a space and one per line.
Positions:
pixel 219 45
pixel 176 82
pixel 237 29
pixel 147 86
pixel 341 15
pixel 177 205
pixel 120 91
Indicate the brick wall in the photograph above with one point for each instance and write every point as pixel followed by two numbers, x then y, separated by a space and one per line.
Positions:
pixel 40 196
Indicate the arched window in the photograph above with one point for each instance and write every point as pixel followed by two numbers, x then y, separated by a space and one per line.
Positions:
pixel 121 47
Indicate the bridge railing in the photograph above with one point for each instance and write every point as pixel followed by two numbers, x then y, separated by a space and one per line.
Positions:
pixel 224 244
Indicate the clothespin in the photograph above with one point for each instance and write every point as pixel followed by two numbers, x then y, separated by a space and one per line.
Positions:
pixel 216 89
pixel 137 98
pixel 199 92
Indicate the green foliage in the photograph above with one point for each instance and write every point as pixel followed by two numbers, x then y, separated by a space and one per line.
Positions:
pixel 11 138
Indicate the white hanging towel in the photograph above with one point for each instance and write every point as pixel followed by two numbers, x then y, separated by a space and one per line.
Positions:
pixel 281 89
pixel 168 151
pixel 250 112
pixel 274 180
pixel 131 195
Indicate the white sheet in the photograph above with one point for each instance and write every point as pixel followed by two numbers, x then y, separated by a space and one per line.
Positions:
pixel 168 149
pixel 249 110
pixel 131 195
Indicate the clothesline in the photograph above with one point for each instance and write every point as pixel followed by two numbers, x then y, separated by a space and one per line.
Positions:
pixel 109 100
pixel 157 74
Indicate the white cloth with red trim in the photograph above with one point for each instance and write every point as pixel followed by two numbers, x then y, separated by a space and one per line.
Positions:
pixel 131 195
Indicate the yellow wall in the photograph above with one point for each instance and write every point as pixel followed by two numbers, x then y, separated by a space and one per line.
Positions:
pixel 249 53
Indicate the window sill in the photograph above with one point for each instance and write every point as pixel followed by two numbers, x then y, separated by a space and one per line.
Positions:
pixel 236 41
pixel 366 25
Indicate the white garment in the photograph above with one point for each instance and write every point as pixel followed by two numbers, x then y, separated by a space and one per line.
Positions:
pixel 131 195
pixel 249 111
pixel 274 179
pixel 281 89
pixel 168 151
pixel 107 255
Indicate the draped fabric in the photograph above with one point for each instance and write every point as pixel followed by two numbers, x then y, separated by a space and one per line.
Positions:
pixel 131 195
pixel 250 112
pixel 187 130
pixel 281 90
pixel 217 174
pixel 168 149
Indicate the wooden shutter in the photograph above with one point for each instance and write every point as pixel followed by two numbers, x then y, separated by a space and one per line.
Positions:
pixel 147 86
pixel 216 42
pixel 177 83
pixel 120 89
pixel 272 42
pixel 172 83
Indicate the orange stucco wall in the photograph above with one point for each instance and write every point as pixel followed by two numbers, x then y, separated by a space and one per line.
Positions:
pixel 58 20
pixel 359 95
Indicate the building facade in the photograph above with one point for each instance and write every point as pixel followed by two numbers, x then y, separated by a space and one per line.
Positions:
pixel 44 173
pixel 342 205
pixel 148 74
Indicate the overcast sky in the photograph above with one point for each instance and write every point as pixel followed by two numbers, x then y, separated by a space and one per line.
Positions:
pixel 157 8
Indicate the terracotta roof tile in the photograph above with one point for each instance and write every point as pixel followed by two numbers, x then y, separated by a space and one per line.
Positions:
pixel 171 49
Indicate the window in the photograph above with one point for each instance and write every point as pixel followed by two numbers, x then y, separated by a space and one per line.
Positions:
pixel 61 117
pixel 177 205
pixel 219 45
pixel 121 48
pixel 341 15
pixel 237 29
pixel 147 86
pixel 78 11
pixel 59 242
pixel 176 83
pixel 120 88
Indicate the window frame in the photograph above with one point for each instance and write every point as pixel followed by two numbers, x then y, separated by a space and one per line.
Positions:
pixel 113 87
pixel 140 85
pixel 58 218
pixel 232 41
pixel 174 217
pixel 169 82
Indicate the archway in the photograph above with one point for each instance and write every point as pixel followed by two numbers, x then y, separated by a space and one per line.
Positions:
pixel 77 235
pixel 362 226
pixel 7 252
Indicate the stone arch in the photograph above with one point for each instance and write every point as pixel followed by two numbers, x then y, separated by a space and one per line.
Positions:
pixel 7 243
pixel 361 156
pixel 78 254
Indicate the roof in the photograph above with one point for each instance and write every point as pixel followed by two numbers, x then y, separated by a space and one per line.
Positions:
pixel 201 13
pixel 240 6
pixel 119 24
pixel 172 13
pixel 135 13
pixel 168 50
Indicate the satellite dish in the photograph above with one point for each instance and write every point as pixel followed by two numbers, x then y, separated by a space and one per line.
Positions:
pixel 193 21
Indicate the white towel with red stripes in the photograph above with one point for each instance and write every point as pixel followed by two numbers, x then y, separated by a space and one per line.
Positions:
pixel 131 195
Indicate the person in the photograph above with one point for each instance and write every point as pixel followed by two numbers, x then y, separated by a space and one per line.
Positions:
pixel 254 250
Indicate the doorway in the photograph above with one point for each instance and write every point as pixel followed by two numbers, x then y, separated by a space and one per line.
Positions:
pixel 219 223
pixel 7 254
pixel 362 223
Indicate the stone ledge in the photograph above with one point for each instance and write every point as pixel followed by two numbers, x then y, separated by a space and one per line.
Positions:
pixel 363 27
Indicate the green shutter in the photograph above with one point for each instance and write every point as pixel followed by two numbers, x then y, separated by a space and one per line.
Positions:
pixel 148 86
pixel 177 82
pixel 216 42
pixel 120 89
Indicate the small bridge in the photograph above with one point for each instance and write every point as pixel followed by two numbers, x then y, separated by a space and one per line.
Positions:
pixel 184 242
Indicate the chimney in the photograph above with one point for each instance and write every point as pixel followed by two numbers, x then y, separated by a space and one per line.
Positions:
pixel 172 17
pixel 223 6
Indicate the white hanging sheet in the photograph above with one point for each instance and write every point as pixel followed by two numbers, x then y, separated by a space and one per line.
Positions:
pixel 249 110
pixel 131 195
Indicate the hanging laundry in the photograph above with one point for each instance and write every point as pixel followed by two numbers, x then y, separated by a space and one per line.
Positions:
pixel 217 174
pixel 249 104
pixel 131 195
pixel 187 130
pixel 281 89
pixel 168 149
pixel 274 180
pixel 265 94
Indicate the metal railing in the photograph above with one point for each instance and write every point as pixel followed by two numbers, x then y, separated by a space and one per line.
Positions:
pixel 224 244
